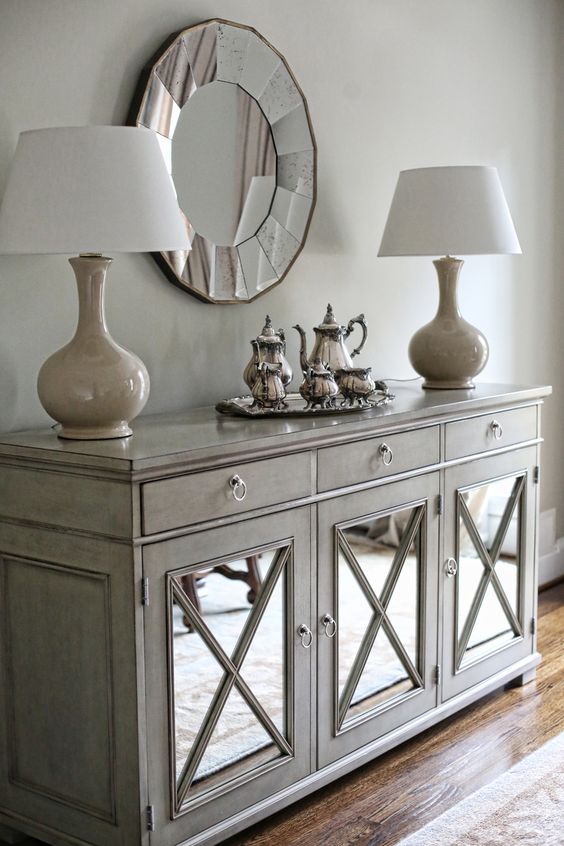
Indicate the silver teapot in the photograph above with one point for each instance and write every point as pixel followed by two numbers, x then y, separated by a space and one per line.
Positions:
pixel 329 345
pixel 271 348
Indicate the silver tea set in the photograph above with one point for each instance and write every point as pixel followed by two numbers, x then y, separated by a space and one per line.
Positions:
pixel 328 372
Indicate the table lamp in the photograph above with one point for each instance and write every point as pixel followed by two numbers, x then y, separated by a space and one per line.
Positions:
pixel 85 190
pixel 444 211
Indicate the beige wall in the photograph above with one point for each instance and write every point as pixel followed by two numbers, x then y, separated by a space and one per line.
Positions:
pixel 391 84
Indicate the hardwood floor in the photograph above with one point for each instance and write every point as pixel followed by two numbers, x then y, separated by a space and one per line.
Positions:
pixel 408 787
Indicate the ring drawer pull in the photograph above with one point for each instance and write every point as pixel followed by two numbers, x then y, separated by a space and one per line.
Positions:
pixel 386 453
pixel 306 635
pixel 497 429
pixel 330 625
pixel 238 488
pixel 451 567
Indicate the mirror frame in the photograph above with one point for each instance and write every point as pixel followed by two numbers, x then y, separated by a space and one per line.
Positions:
pixel 276 249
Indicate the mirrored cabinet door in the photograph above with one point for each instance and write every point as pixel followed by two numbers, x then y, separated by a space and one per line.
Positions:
pixel 488 568
pixel 377 612
pixel 228 685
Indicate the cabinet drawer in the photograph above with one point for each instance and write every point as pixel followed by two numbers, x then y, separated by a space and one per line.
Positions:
pixel 351 464
pixel 184 500
pixel 490 431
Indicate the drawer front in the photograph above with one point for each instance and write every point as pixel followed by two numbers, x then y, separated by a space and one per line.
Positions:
pixel 375 458
pixel 197 497
pixel 490 431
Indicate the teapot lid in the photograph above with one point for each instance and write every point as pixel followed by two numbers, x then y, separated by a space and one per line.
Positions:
pixel 319 368
pixel 329 319
pixel 269 334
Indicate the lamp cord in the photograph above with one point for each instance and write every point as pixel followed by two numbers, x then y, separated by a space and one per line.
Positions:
pixel 390 379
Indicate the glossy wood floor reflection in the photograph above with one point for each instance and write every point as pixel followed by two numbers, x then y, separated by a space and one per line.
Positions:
pixel 403 790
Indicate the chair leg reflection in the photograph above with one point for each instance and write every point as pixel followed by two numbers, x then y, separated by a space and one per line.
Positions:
pixel 251 576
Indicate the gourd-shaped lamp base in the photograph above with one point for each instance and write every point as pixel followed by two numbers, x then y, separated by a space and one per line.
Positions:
pixel 92 386
pixel 448 351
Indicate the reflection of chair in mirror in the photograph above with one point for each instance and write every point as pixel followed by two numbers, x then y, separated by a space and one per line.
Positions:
pixel 251 576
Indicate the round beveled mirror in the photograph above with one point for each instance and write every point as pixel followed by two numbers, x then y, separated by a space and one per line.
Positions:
pixel 235 133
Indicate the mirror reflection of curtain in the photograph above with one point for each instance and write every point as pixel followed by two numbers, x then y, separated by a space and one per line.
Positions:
pixel 255 151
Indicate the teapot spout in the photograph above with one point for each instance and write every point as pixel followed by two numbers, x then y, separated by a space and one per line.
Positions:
pixel 304 363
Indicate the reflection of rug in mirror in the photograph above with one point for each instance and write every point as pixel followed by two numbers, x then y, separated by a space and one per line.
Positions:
pixel 225 610
pixel 384 668
pixel 492 629
pixel 238 734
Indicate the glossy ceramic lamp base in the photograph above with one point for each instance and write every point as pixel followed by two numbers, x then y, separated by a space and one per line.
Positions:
pixel 92 386
pixel 448 351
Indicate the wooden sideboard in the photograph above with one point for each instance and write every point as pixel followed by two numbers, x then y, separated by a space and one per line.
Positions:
pixel 397 561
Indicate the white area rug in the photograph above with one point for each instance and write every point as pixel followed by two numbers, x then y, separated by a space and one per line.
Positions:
pixel 522 807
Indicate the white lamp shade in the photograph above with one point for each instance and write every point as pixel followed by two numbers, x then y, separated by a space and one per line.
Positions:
pixel 438 211
pixel 90 189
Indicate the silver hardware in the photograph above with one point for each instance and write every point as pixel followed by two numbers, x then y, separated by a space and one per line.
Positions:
pixel 386 453
pixel 330 625
pixel 497 429
pixel 150 818
pixel 306 635
pixel 451 567
pixel 437 674
pixel 440 503
pixel 536 475
pixel 145 599
pixel 533 626
pixel 238 488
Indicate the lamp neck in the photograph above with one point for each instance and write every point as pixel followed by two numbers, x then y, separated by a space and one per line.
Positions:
pixel 448 269
pixel 90 272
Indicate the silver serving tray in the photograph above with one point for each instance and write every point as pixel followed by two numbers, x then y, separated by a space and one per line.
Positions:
pixel 241 406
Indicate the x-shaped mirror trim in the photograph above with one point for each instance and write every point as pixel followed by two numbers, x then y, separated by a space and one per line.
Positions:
pixel 379 606
pixel 489 559
pixel 232 667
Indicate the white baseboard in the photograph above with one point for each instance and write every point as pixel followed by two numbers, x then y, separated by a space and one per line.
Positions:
pixel 551 564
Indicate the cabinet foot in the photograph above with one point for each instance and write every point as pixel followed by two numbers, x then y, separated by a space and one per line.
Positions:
pixel 524 678
pixel 9 836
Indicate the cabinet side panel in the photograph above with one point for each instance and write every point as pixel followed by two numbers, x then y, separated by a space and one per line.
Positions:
pixel 57 637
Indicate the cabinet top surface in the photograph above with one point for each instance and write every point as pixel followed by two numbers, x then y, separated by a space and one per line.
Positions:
pixel 166 439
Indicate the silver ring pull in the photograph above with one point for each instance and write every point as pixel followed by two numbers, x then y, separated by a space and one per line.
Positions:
pixel 386 453
pixel 238 488
pixel 306 635
pixel 497 429
pixel 330 625
pixel 451 567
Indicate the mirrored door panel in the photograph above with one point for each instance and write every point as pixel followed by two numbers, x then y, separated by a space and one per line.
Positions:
pixel 228 675
pixel 377 569
pixel 489 565
pixel 229 664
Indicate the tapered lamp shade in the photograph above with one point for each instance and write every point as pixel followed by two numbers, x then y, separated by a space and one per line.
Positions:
pixel 440 211
pixel 448 211
pixel 91 190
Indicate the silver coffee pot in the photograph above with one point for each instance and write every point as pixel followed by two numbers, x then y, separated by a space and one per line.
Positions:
pixel 270 347
pixel 329 345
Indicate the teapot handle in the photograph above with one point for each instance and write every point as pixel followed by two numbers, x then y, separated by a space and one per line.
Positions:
pixel 350 326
